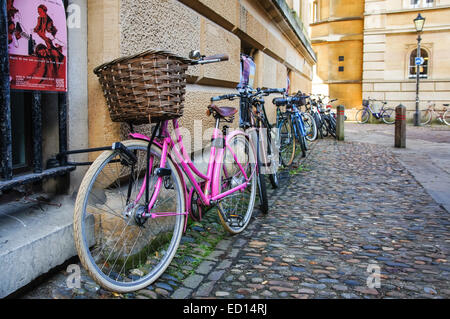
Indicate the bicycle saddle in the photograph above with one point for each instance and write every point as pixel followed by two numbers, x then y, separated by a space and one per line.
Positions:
pixel 221 111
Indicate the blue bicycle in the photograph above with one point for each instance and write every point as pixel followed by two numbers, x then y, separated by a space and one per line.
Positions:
pixel 293 125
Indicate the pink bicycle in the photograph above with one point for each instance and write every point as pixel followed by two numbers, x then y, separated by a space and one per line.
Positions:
pixel 134 201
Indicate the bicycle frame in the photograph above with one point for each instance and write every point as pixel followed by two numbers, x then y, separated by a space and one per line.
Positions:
pixel 378 115
pixel 295 116
pixel 211 193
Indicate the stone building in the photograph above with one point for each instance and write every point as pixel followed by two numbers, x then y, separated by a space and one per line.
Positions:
pixel 266 30
pixel 274 32
pixel 380 40
pixel 337 38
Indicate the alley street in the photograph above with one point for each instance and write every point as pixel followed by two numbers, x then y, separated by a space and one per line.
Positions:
pixel 351 221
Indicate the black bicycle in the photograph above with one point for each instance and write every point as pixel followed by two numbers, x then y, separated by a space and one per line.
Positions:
pixel 253 119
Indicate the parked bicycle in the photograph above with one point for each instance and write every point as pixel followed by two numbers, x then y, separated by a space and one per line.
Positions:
pixel 253 116
pixel 329 119
pixel 292 126
pixel 134 201
pixel 387 115
pixel 318 110
pixel 442 116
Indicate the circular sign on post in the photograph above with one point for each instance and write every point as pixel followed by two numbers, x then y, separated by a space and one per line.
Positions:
pixel 419 60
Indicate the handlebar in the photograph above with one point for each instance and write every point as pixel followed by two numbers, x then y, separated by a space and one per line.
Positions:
pixel 224 97
pixel 210 59
pixel 274 91
pixel 249 94
pixel 288 100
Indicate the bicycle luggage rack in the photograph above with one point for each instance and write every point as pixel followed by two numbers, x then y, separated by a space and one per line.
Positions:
pixel 54 162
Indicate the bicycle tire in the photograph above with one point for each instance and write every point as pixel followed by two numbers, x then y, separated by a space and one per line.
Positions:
pixel 97 195
pixel 301 139
pixel 233 222
pixel 425 117
pixel 271 160
pixel 262 188
pixel 311 134
pixel 319 127
pixel 274 178
pixel 362 116
pixel 446 117
pixel 287 142
pixel 324 128
pixel 332 126
pixel 390 118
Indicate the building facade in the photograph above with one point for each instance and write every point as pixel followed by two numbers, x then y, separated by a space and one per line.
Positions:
pixel 269 31
pixel 390 46
pixel 36 127
pixel 337 38
pixel 381 40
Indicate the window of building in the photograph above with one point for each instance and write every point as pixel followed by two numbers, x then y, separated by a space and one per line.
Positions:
pixel 341 58
pixel 315 11
pixel 414 3
pixel 423 68
pixel 420 3
pixel 428 3
pixel 341 69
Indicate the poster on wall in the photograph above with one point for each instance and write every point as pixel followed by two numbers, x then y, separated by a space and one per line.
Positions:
pixel 37 45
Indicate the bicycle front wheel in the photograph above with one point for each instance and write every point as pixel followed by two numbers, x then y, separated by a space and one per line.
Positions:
pixel 388 116
pixel 235 210
pixel 425 117
pixel 446 117
pixel 310 127
pixel 121 248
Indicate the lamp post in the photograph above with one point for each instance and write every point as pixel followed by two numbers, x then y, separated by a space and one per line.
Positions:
pixel 418 23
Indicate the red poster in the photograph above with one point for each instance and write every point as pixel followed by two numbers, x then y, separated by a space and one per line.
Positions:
pixel 37 45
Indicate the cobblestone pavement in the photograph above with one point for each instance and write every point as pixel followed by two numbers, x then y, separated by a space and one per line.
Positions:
pixel 426 156
pixel 349 210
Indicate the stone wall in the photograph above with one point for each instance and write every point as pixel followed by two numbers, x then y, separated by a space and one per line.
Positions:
pixel 124 27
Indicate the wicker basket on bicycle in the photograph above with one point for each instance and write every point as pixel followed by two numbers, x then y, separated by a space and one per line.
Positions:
pixel 144 88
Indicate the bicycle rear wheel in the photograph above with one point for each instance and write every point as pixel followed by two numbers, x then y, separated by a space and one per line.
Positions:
pixel 332 125
pixel 120 248
pixel 319 127
pixel 274 157
pixel 362 116
pixel 446 117
pixel 262 188
pixel 235 210
pixel 425 117
pixel 301 139
pixel 287 142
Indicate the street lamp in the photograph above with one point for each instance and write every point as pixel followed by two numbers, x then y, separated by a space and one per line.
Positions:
pixel 419 22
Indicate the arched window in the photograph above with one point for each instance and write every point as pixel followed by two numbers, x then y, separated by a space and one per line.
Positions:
pixel 423 68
